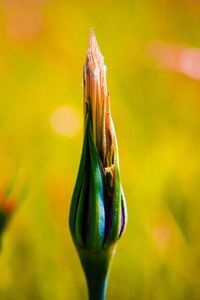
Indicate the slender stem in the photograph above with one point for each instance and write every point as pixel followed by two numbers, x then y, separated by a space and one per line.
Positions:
pixel 96 268
pixel 97 288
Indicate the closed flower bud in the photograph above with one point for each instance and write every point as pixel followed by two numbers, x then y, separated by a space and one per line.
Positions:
pixel 98 209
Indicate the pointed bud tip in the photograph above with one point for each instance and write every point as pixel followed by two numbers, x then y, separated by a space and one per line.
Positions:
pixel 93 47
pixel 95 60
pixel 92 38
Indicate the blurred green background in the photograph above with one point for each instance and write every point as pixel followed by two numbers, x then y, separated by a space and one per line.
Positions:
pixel 153 79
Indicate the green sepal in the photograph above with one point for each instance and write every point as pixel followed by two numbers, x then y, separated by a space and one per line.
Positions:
pixel 96 210
pixel 81 213
pixel 124 211
pixel 115 225
pixel 113 234
pixel 78 185
pixel 87 214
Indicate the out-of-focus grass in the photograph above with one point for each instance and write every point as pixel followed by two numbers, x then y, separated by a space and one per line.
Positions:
pixel 157 118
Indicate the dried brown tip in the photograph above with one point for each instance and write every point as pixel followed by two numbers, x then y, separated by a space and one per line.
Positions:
pixel 97 99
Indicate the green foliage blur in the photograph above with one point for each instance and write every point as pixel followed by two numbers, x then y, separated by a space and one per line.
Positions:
pixel 156 111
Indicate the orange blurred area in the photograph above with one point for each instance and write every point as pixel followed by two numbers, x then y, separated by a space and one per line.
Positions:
pixel 152 53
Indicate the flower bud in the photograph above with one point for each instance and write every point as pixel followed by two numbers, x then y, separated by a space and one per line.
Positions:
pixel 98 209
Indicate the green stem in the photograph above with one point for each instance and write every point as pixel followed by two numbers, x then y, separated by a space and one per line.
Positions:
pixel 96 268
pixel 97 288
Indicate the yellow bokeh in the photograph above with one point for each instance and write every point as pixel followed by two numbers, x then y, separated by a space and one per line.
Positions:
pixel 65 121
pixel 152 53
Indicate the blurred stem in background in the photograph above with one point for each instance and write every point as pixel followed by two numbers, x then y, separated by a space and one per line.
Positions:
pixel 98 208
pixel 11 197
